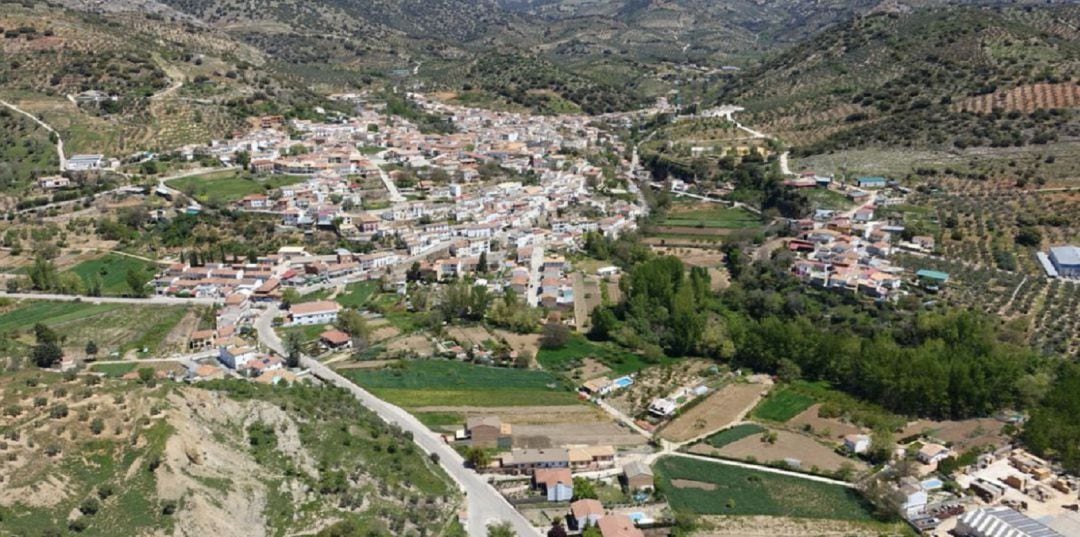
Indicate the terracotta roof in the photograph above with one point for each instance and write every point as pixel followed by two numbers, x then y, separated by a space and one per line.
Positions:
pixel 584 508
pixel 335 337
pixel 319 306
pixel 549 477
pixel 618 526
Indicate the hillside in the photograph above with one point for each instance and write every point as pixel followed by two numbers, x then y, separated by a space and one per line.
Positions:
pixel 941 77
pixel 119 457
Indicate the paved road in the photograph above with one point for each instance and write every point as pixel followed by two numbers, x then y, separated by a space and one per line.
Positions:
pixel 46 126
pixel 391 188
pixel 485 505
pixel 154 300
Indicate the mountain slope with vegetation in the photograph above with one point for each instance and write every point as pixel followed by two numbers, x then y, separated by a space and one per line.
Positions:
pixel 940 77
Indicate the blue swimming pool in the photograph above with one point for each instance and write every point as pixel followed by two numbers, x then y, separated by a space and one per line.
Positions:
pixel 932 484
pixel 623 382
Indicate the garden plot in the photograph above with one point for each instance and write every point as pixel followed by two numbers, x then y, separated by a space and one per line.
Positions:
pixel 657 381
pixel 769 526
pixel 718 410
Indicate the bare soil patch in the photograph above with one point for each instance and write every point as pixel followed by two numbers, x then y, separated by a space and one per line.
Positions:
pixel 831 428
pixel 688 484
pixel 963 435
pixel 807 451
pixel 523 343
pixel 720 409
pixel 417 343
pixel 468 335
pixel 767 526
pixel 553 426
pixel 591 368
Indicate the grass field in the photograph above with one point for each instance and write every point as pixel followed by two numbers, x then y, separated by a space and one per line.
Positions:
pixel 112 268
pixel 229 185
pixel 113 370
pixel 114 327
pixel 357 294
pixel 734 434
pixel 716 216
pixel 716 489
pixel 439 382
pixel 618 360
pixel 782 405
pixel 823 198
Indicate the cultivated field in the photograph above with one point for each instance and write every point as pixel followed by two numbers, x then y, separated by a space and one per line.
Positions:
pixel 539 426
pixel 113 327
pixel 423 383
pixel 111 270
pixel 718 410
pixel 228 185
pixel 768 526
pixel 962 435
pixel 782 405
pixel 716 489
pixel 832 428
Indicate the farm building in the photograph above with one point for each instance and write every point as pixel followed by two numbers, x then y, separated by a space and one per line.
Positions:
pixel 638 476
pixel 932 279
pixel 871 182
pixel 857 443
pixel 1066 260
pixel 1001 522
pixel 489 432
pixel 82 163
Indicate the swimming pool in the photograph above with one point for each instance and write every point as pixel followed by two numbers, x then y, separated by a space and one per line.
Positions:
pixel 623 382
pixel 931 484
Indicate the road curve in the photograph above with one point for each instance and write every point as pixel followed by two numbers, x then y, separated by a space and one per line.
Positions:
pixel 46 126
pixel 485 504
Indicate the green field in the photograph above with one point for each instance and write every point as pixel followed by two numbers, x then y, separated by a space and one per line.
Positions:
pixel 734 434
pixel 619 360
pixel 741 491
pixel 782 405
pixel 113 370
pixel 112 269
pixel 229 185
pixel 357 294
pixel 441 382
pixel 713 217
pixel 823 198
pixel 114 327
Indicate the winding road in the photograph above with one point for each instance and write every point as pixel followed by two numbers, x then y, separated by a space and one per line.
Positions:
pixel 46 126
pixel 485 505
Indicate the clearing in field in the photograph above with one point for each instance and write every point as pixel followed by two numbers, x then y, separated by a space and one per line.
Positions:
pixel 719 409
pixel 782 405
pixel 539 426
pixel 831 428
pixel 741 491
pixel 111 270
pixel 769 526
pixel 788 446
pixel 421 383
pixel 710 215
pixel 228 186
pixel 357 294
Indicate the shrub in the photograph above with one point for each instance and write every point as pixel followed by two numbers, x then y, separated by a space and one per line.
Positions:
pixel 90 506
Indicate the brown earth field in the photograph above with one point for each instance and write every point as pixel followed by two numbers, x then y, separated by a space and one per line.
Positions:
pixel 688 484
pixel 683 230
pixel 553 426
pixel 808 451
pixel 836 428
pixel 963 435
pixel 718 410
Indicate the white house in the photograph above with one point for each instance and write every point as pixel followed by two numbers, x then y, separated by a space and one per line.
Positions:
pixel 933 453
pixel 319 312
pixel 235 357
pixel 857 443
pixel 663 407
pixel 81 163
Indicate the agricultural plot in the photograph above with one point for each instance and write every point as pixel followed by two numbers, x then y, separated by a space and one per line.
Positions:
pixel 782 405
pixel 444 383
pixel 716 489
pixel 824 198
pixel 734 434
pixel 357 294
pixel 111 271
pixel 718 409
pixel 114 327
pixel 229 186
pixel 579 348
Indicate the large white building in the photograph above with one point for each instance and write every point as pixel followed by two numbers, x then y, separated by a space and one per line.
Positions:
pixel 1001 522
pixel 1066 260
pixel 320 312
